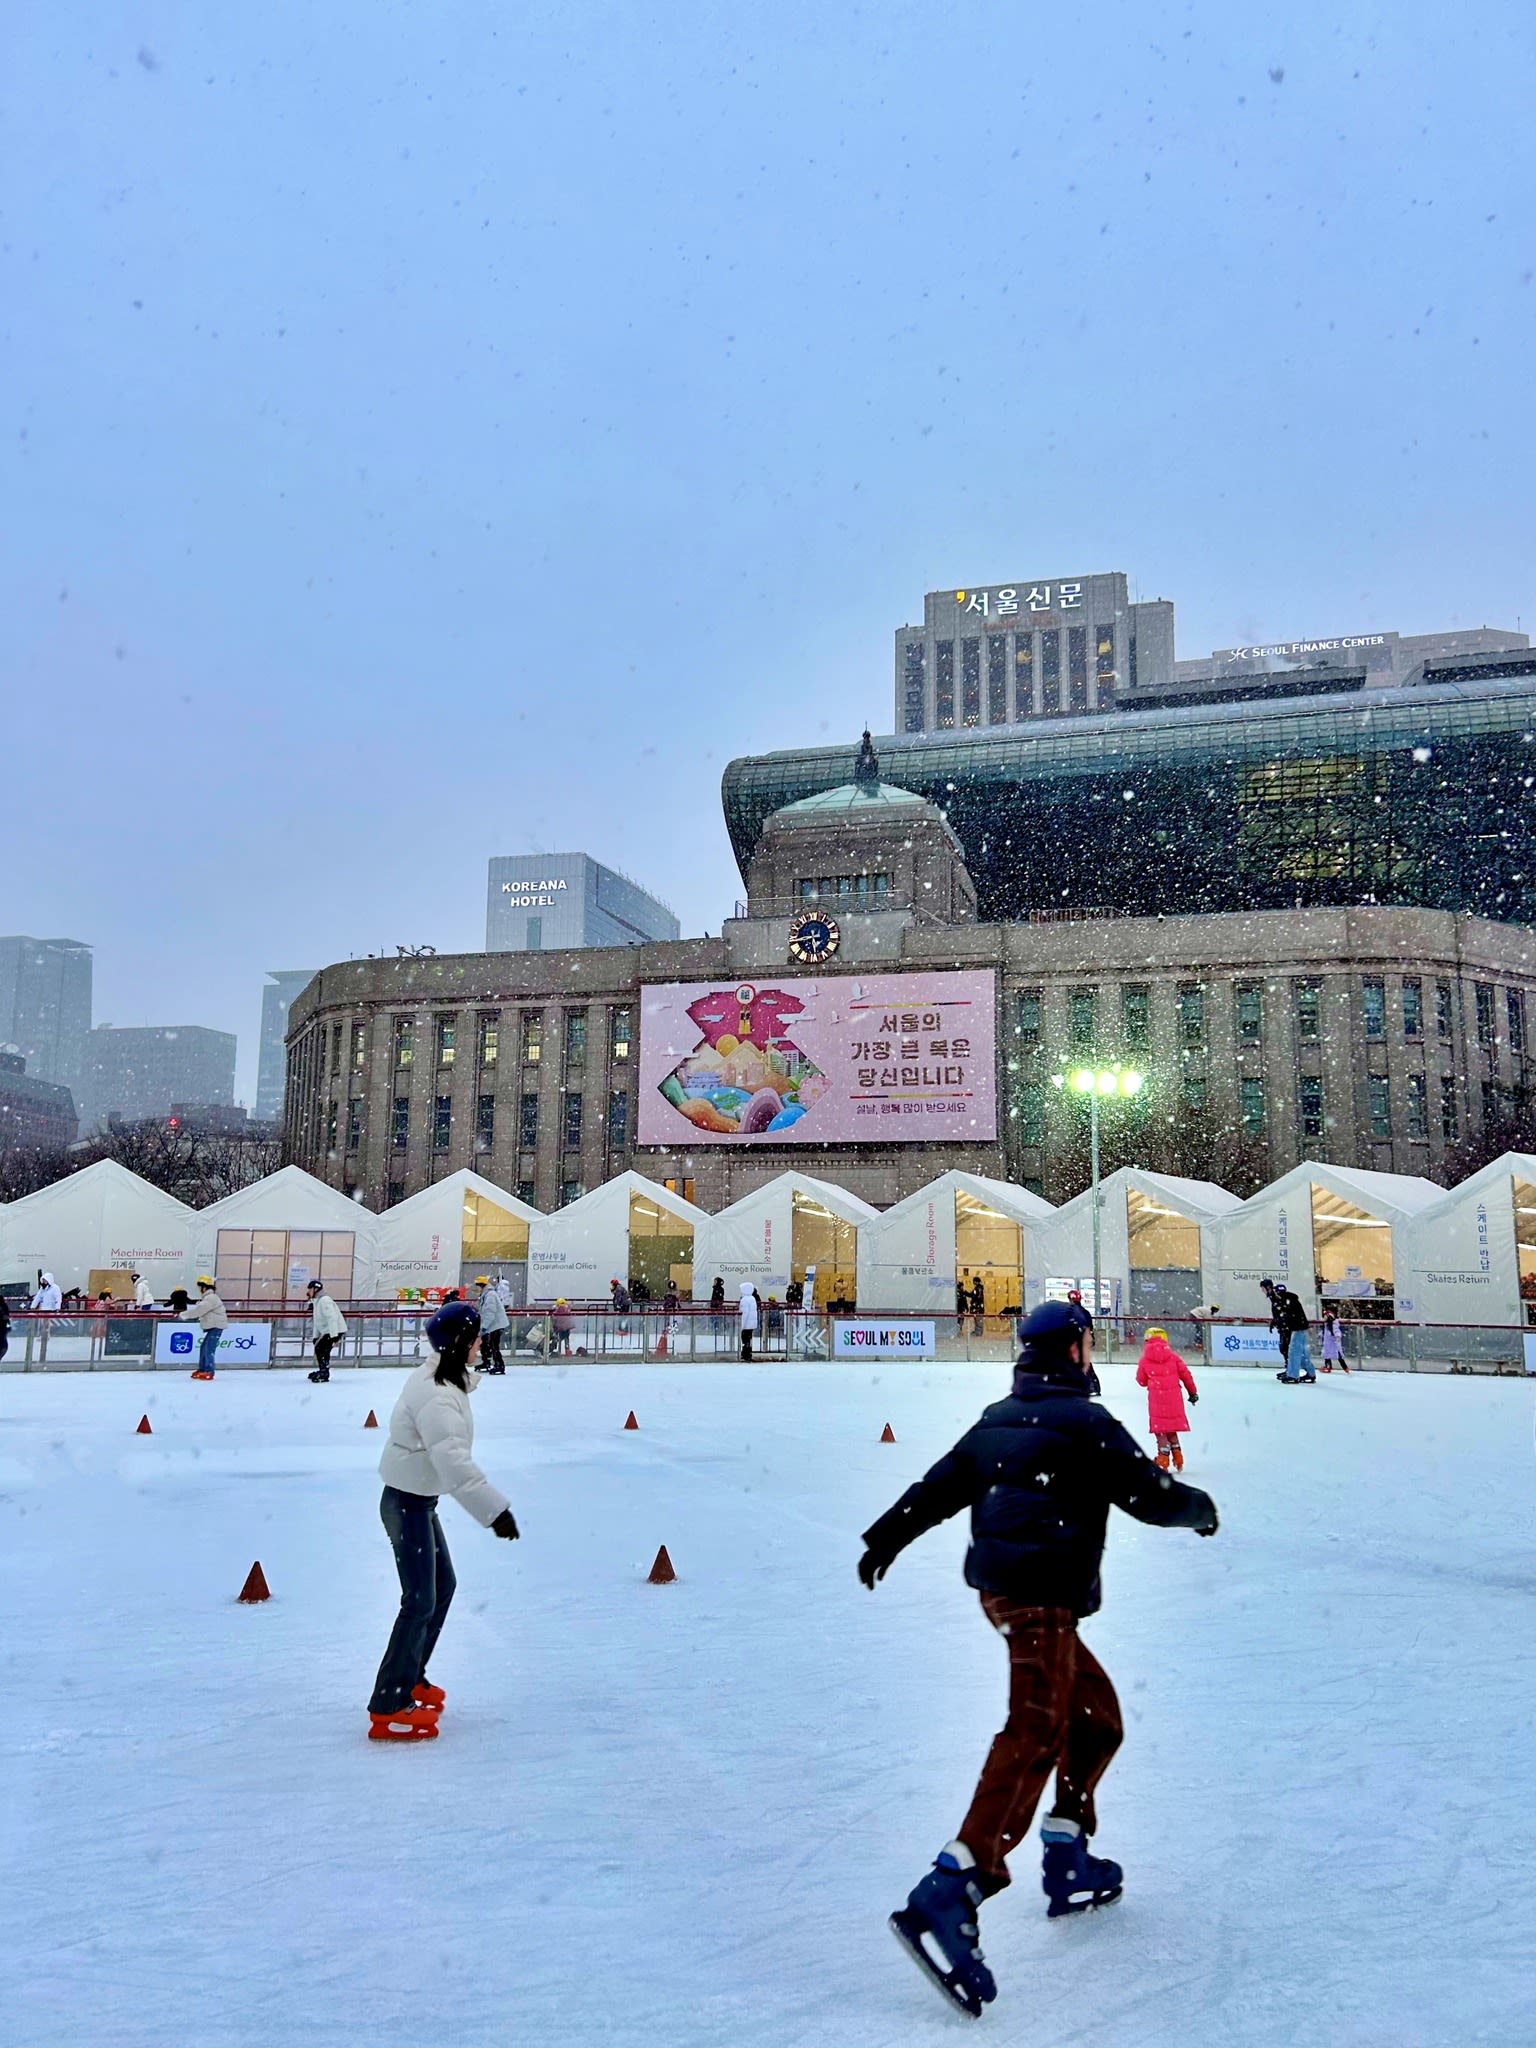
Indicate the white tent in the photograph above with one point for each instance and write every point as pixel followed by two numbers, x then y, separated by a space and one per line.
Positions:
pixel 777 1233
pixel 103 1219
pixel 628 1229
pixel 442 1237
pixel 265 1243
pixel 1157 1250
pixel 912 1255
pixel 1338 1225
pixel 1471 1256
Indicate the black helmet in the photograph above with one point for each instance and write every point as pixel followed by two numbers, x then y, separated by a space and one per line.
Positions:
pixel 455 1320
pixel 1048 1332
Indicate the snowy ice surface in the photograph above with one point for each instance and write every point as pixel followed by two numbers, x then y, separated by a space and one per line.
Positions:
pixel 679 1816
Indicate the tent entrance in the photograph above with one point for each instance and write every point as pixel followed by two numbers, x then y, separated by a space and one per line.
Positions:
pixel 989 1247
pixel 660 1251
pixel 494 1242
pixel 1164 1252
pixel 270 1267
pixel 1525 1244
pixel 827 1242
pixel 1351 1257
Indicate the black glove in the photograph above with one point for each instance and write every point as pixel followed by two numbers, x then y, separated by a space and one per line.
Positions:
pixel 1208 1523
pixel 873 1567
pixel 505 1526
pixel 1193 1399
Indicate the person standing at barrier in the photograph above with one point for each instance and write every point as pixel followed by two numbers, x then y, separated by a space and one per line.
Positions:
pixel 978 1305
pixel 213 1320
pixel 143 1293
pixel 327 1328
pixel 1288 1320
pixel 494 1320
pixel 1039 1473
pixel 561 1324
pixel 47 1297
pixel 747 1311
pixel 430 1452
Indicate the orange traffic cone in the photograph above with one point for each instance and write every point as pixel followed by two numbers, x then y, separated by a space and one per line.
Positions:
pixel 255 1587
pixel 630 1422
pixel 372 1422
pixel 887 1435
pixel 144 1428
pixel 661 1344
pixel 661 1573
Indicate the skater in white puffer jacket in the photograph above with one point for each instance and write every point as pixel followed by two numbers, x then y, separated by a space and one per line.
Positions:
pixel 328 1327
pixel 430 1452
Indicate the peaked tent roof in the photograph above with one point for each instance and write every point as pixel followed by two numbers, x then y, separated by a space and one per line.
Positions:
pixel 463 1182
pixel 1388 1194
pixel 632 1183
pixel 294 1199
pixel 1203 1201
pixel 1002 1195
pixel 100 1182
pixel 851 1208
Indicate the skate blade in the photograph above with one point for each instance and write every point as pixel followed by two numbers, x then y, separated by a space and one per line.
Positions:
pixel 1062 1909
pixel 957 1995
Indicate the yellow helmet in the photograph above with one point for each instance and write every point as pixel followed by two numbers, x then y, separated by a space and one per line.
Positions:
pixel 482 1279
pixel 205 1279
pixel 1157 1331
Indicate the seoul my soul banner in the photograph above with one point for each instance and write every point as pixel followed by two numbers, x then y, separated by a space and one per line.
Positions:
pixel 875 1059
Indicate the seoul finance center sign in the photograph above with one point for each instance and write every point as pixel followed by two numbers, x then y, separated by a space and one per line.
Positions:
pixel 878 1059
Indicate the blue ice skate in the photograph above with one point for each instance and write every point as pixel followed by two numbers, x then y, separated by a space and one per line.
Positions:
pixel 1074 1881
pixel 937 1928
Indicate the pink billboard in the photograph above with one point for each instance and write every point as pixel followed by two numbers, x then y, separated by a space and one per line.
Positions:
pixel 874 1059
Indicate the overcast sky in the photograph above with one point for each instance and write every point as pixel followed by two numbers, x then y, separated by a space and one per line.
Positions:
pixel 439 431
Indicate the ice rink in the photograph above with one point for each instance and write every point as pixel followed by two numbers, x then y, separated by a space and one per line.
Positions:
pixel 679 1816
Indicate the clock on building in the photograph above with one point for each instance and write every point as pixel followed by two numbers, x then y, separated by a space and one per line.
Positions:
pixel 813 937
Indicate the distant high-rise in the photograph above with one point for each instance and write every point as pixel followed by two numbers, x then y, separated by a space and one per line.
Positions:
pixel 537 902
pixel 140 1071
pixel 45 1006
pixel 283 984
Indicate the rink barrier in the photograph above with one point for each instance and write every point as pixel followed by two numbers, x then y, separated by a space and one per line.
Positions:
pixel 57 1340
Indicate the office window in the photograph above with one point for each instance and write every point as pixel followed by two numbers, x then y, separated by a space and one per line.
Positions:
pixel 620 1033
pixel 1418 1107
pixel 1490 1104
pixel 970 682
pixel 997 680
pixel 1250 1102
pixel 914 686
pixel 575 1038
pixel 1514 1005
pixel 1309 1002
pixel 1487 1031
pixel 447 1039
pixel 332 1118
pixel 679 1187
pixel 1194 1091
pixel 1248 1011
pixel 1104 666
pixel 944 683
pixel 1310 1102
pixel 1445 1010
pixel 1031 1017
pixel 1192 1013
pixel 1450 1115
pixel 534 943
pixel 528 1122
pixel 571 1133
pixel 618 1118
pixel 1136 1016
pixel 1032 1114
pixel 570 1191
pixel 1379 1102
pixel 1373 1006
pixel 1077 666
pixel 359 1046
pixel 1084 1002
pixel 524 1192
pixel 400 1122
pixel 335 1048
pixel 1050 671
pixel 442 1122
pixel 354 1123
pixel 485 1122
pixel 1413 1007
pixel 533 1038
pixel 1024 676
pixel 394 1192
pixel 405 1041
pixel 490 1038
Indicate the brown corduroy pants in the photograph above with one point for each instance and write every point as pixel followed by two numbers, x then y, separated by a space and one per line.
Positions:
pixel 1062 1716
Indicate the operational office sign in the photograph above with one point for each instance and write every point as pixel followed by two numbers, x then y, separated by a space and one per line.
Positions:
pixel 1295 650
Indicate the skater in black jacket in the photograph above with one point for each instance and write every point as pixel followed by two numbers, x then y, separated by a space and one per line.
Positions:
pixel 1039 1473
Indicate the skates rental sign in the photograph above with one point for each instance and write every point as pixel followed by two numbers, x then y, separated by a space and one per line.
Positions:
pixel 879 1059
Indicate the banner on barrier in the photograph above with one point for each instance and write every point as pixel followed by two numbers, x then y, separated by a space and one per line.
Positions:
pixel 239 1344
pixel 882 1340
pixel 1237 1342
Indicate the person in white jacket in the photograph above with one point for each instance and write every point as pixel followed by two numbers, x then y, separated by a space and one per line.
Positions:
pixel 494 1321
pixel 47 1295
pixel 430 1451
pixel 143 1293
pixel 327 1327
pixel 748 1312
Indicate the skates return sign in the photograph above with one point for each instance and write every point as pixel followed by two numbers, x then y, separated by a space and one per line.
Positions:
pixel 878 1059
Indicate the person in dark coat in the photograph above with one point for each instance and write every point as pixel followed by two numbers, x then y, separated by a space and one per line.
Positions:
pixel 1039 1473
pixel 1288 1320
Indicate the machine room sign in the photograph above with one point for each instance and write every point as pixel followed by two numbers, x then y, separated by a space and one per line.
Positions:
pixel 852 1059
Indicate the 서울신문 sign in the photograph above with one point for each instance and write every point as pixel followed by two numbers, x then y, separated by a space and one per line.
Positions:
pixel 882 1340
pixel 1020 598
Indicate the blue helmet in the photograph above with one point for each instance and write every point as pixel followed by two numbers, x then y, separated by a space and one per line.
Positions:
pixel 454 1320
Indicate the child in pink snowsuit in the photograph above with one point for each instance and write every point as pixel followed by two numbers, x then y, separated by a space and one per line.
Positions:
pixel 1167 1379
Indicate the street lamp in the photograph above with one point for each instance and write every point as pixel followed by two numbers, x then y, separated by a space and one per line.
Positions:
pixel 1099 1083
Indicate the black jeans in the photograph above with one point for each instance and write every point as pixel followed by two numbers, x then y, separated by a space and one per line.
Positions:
pixel 490 1351
pixel 323 1356
pixel 426 1593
